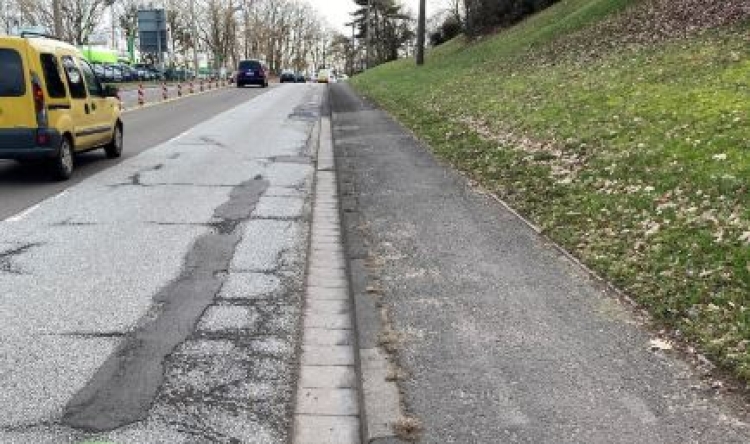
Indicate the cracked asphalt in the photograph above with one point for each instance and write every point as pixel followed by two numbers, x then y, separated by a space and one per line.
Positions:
pixel 158 299
pixel 24 185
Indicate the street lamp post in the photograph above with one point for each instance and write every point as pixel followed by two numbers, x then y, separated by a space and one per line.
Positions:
pixel 111 4
pixel 195 37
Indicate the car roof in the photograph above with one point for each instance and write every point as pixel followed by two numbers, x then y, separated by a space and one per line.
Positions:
pixel 252 60
pixel 41 43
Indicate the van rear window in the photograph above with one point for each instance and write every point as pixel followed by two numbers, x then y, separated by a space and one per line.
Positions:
pixel 249 64
pixel 12 81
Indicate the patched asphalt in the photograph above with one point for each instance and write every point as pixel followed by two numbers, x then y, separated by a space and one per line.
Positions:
pixel 501 338
pixel 159 300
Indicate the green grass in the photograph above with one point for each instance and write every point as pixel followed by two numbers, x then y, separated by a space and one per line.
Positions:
pixel 637 162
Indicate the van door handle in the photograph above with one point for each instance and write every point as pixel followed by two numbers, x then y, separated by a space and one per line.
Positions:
pixel 86 108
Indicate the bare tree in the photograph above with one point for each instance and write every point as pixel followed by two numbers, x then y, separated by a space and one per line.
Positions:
pixel 284 33
pixel 219 30
pixel 79 17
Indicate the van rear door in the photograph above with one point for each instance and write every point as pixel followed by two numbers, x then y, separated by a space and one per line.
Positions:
pixel 16 101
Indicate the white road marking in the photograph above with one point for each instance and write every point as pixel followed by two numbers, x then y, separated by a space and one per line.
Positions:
pixel 25 213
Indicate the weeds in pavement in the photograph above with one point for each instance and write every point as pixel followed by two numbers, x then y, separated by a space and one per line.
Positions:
pixel 408 428
pixel 389 339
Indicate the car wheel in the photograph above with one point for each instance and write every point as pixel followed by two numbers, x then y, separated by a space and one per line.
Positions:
pixel 239 85
pixel 114 148
pixel 62 165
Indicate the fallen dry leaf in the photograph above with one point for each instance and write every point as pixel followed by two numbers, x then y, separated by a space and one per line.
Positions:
pixel 659 344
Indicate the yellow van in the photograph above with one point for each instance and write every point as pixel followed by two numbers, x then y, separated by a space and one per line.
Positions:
pixel 323 76
pixel 52 104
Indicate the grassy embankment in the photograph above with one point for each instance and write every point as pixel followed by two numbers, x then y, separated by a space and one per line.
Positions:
pixel 635 159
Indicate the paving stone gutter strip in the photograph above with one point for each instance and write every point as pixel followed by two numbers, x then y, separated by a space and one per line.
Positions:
pixel 328 401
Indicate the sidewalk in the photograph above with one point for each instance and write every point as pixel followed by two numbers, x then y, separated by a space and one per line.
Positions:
pixel 494 336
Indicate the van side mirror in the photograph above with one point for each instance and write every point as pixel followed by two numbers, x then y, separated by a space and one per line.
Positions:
pixel 110 91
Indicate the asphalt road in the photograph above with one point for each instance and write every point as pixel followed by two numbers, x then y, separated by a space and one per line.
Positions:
pixel 501 338
pixel 158 298
pixel 22 186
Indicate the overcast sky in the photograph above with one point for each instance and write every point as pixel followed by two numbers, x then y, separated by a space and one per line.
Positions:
pixel 337 11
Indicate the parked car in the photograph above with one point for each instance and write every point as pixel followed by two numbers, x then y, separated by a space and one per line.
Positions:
pixel 144 72
pixel 59 106
pixel 128 74
pixel 300 78
pixel 287 76
pixel 98 71
pixel 142 75
pixel 113 73
pixel 150 72
pixel 252 72
pixel 173 74
pixel 103 72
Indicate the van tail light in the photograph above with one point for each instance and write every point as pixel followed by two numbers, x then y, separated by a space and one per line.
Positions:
pixel 42 137
pixel 39 106
pixel 38 98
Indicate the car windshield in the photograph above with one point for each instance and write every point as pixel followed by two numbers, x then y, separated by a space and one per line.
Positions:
pixel 12 82
pixel 249 64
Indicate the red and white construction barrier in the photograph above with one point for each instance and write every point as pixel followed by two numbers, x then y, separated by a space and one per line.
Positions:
pixel 141 95
pixel 164 91
pixel 179 90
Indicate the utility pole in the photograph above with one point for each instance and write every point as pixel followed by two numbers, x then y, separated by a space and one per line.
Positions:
pixel 57 18
pixel 420 32
pixel 354 51
pixel 368 36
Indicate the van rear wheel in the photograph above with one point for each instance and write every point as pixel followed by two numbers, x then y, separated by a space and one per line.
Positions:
pixel 62 165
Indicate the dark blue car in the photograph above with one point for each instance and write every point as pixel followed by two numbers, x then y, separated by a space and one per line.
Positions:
pixel 252 72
